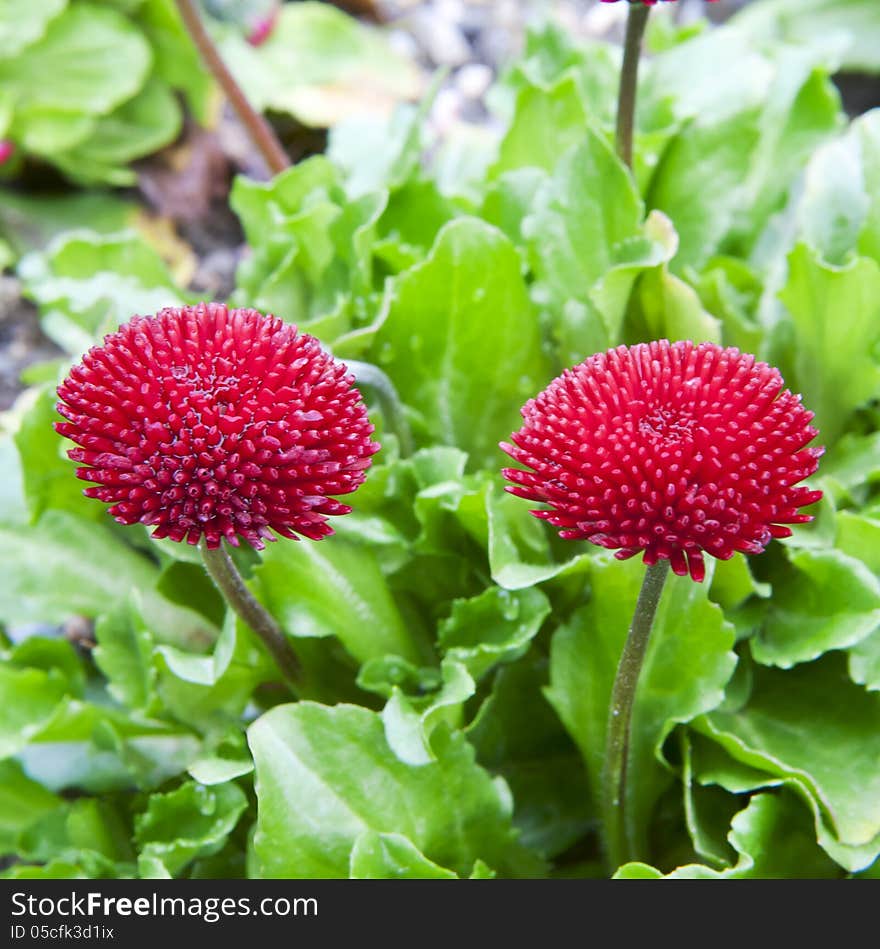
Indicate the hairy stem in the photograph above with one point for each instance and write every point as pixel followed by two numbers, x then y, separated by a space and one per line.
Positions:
pixel 637 19
pixel 258 128
pixel 623 694
pixel 230 583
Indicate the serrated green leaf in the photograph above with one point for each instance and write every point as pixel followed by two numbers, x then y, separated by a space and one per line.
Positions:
pixel 836 321
pixel 813 727
pixel 495 627
pixel 831 601
pixel 187 823
pixel 410 721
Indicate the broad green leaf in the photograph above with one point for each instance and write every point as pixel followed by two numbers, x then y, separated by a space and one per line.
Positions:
pixel 190 822
pixel 688 663
pixel 326 775
pixel 495 627
pixel 138 127
pixel 378 856
pixel 96 59
pixel 587 243
pixel 518 736
pixel 22 22
pixel 829 601
pixel 48 131
pixel 86 565
pixel 699 183
pixel 333 588
pixel 547 121
pixel 460 340
pixel 88 570
pixel 836 321
pixel 812 726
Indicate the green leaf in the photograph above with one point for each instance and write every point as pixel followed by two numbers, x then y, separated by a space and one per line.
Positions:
pixel 193 821
pixel 547 121
pixel 97 749
pixel 320 66
pixel 831 601
pixel 773 840
pixel 138 127
pixel 87 285
pixel 96 59
pixel 671 309
pixel 175 57
pixel 460 341
pixel 410 721
pixel 378 856
pixel 326 775
pixel 31 698
pixel 333 588
pixel 699 185
pixel 518 736
pixel 587 244
pixel 687 665
pixel 125 653
pixel 22 803
pixel 49 480
pixel 813 727
pixel 835 314
pixel 495 627
pixel 23 22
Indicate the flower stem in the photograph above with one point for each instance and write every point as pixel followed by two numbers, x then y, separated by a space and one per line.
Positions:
pixel 637 19
pixel 366 374
pixel 230 583
pixel 623 693
pixel 258 128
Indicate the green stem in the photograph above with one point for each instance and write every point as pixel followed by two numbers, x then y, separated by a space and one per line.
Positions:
pixel 619 844
pixel 366 374
pixel 637 19
pixel 258 128
pixel 230 583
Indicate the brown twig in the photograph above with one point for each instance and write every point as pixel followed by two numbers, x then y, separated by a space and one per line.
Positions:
pixel 258 128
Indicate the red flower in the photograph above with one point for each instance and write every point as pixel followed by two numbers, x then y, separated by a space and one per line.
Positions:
pixel 668 448
pixel 7 150
pixel 205 421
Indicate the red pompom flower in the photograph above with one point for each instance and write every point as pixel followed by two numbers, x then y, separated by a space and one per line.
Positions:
pixel 209 422
pixel 671 449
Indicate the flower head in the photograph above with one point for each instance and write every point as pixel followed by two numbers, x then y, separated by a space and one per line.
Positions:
pixel 209 422
pixel 671 449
